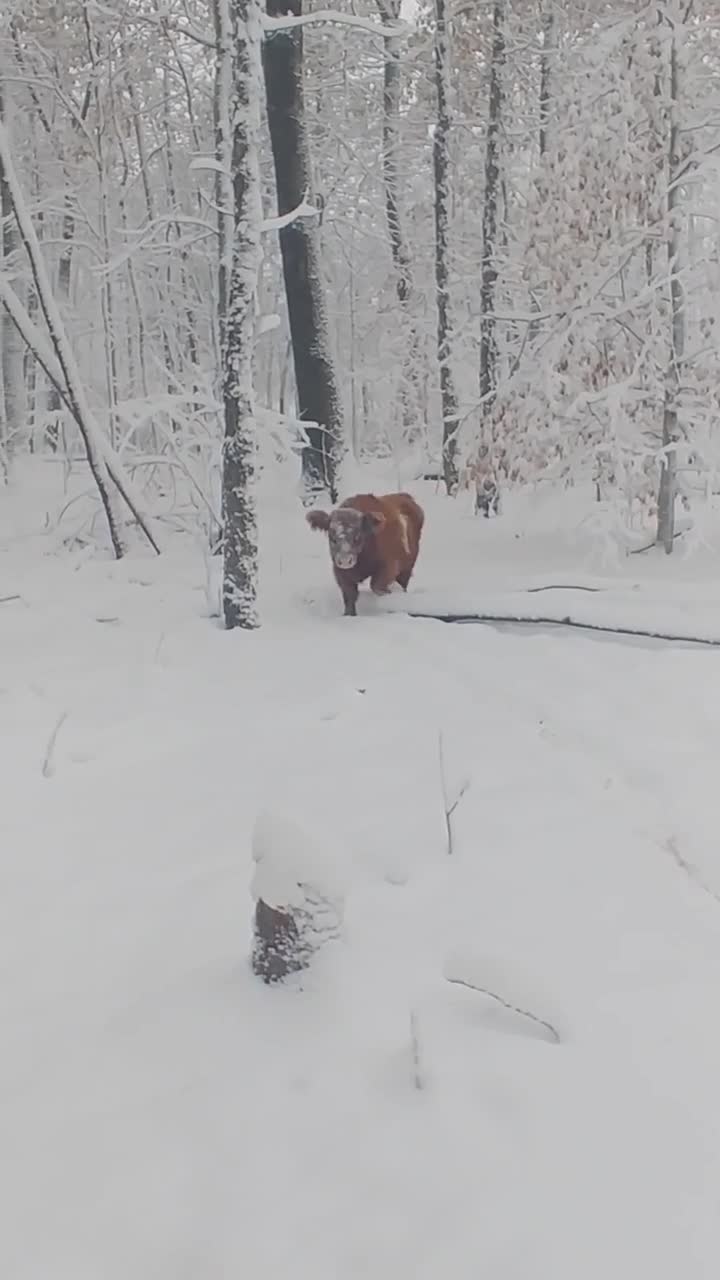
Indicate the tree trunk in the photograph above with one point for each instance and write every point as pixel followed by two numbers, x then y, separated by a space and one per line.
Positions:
pixel 64 277
pixel 12 411
pixel 441 138
pixel 548 46
pixel 491 203
pixel 392 149
pixel 318 397
pixel 239 23
pixel 667 493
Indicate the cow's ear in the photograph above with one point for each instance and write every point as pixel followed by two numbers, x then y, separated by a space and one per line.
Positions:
pixel 318 520
pixel 372 520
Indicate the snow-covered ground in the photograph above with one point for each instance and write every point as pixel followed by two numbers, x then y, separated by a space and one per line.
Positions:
pixel 162 1113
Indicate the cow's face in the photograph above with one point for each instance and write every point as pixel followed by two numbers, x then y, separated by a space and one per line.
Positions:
pixel 348 532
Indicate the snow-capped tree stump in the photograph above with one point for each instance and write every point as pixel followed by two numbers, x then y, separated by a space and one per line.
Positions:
pixel 298 890
pixel 276 944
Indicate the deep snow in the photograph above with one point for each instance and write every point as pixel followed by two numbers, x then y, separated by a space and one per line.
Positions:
pixel 162 1114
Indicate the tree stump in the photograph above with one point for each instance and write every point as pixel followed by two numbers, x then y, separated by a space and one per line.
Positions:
pixel 299 898
pixel 277 951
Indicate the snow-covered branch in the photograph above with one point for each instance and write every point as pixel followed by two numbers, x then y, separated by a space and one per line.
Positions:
pixel 382 31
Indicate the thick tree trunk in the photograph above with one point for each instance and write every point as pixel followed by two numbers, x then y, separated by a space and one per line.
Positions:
pixel 670 429
pixel 441 166
pixel 491 204
pixel 318 396
pixel 240 27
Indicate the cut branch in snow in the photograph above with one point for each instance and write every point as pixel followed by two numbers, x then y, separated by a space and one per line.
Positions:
pixel 492 618
pixel 672 847
pixel 506 1004
pixel 48 767
pixel 418 1076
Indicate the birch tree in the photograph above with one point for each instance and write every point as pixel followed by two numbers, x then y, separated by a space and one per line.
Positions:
pixel 491 206
pixel 239 25
pixel 441 167
pixel 395 183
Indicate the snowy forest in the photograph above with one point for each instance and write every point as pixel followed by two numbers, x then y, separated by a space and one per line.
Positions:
pixel 359 934
pixel 454 232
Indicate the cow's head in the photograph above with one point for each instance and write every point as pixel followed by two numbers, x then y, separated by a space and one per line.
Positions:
pixel 348 532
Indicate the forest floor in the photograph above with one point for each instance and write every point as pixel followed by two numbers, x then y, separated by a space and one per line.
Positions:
pixel 163 1114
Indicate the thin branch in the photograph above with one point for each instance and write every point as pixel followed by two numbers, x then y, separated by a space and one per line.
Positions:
pixel 381 30
pixel 48 766
pixel 523 1013
pixel 492 618
pixel 448 808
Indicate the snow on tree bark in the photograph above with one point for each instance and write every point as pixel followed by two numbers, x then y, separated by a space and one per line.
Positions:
pixel 491 204
pixel 667 492
pixel 299 886
pixel 318 396
pixel 392 149
pixel 448 395
pixel 240 27
pixel 12 411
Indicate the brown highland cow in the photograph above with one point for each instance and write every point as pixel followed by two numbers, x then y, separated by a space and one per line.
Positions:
pixel 371 537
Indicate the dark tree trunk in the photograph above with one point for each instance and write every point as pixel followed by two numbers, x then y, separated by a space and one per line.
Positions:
pixel 448 393
pixel 491 204
pixel 277 950
pixel 317 392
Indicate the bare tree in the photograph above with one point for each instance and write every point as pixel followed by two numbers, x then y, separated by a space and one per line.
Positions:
pixel 318 396
pixel 12 409
pixel 448 393
pixel 491 205
pixel 392 150
pixel 239 26
pixel 667 493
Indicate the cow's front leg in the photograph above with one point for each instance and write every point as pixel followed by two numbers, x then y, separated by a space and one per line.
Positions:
pixel 383 578
pixel 349 594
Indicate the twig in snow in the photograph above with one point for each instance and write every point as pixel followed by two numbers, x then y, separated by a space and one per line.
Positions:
pixel 523 1013
pixel 493 618
pixel 7 599
pixel 448 808
pixel 671 846
pixel 48 767
pixel 561 586
pixel 418 1079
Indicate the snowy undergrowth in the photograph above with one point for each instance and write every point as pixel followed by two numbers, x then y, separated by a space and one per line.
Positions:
pixel 162 1114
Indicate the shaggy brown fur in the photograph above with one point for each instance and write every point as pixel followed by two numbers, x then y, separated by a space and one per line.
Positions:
pixel 371 537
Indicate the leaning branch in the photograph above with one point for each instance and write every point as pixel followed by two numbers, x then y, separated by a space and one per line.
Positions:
pixel 506 1004
pixel 493 618
pixel 51 367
